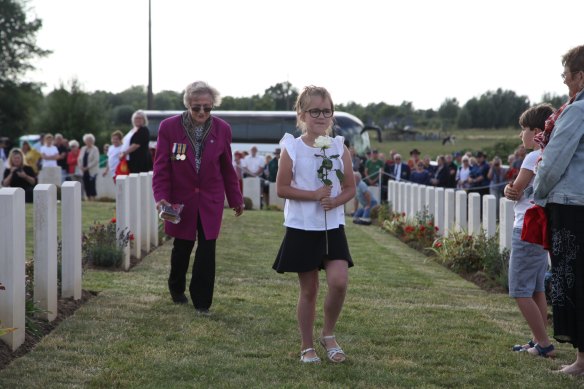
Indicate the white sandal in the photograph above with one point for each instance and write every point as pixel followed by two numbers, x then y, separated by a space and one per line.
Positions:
pixel 333 351
pixel 306 359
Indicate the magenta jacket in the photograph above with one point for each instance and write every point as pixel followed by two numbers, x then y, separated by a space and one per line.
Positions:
pixel 177 181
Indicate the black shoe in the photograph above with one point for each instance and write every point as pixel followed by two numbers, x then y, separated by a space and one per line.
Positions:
pixel 180 299
pixel 203 311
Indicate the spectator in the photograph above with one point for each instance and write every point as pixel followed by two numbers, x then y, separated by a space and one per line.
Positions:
pixel 355 160
pixel 253 164
pixel 88 162
pixel 237 159
pixel 364 201
pixel 31 156
pixel 63 148
pixel 136 149
pixel 479 181
pixel 452 170
pixel 428 166
pixel 19 175
pixel 463 174
pixel 401 171
pixel 73 169
pixel 2 150
pixel 49 152
pixel 103 159
pixel 414 158
pixel 273 166
pixel 372 168
pixel 113 154
pixel 497 180
pixel 420 175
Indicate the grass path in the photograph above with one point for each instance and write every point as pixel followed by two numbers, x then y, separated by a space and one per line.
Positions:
pixel 406 323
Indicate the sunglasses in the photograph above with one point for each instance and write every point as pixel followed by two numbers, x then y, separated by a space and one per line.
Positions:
pixel 198 108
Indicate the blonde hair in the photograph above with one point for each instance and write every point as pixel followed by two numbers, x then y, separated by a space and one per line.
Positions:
pixel 12 153
pixel 303 102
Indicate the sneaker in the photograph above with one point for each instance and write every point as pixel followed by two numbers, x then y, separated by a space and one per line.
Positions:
pixel 365 221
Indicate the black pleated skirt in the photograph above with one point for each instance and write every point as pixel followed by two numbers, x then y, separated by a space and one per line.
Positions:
pixel 303 251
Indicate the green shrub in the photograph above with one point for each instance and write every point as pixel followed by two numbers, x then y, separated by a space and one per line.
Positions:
pixel 103 246
pixel 247 203
pixel 418 233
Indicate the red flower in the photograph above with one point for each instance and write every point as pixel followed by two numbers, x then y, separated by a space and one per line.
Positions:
pixel 131 237
pixel 422 228
pixel 409 229
pixel 403 214
pixel 113 220
pixel 437 245
pixel 436 228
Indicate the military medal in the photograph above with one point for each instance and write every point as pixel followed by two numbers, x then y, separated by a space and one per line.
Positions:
pixel 179 151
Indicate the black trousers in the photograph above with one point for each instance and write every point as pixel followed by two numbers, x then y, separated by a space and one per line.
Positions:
pixel 203 277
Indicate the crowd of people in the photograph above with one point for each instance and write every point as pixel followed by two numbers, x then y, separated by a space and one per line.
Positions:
pixel 79 163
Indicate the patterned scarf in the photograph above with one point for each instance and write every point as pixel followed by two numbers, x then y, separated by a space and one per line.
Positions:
pixel 543 138
pixel 197 136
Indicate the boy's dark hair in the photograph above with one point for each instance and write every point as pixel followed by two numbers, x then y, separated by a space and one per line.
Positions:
pixel 536 116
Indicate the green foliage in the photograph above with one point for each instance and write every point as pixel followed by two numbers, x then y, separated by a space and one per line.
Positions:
pixel 247 204
pixel 418 233
pixel 19 104
pixel 497 109
pixel 465 253
pixel 502 149
pixel 103 245
pixel 17 41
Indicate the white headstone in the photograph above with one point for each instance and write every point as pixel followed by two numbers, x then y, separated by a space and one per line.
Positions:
pixel 430 201
pixel 153 214
pixel 506 219
pixel 252 190
pixel 448 210
pixel 439 211
pixel 135 215
pixel 50 175
pixel 474 213
pixel 145 199
pixel 105 186
pixel 45 249
pixel 71 269
pixel 460 213
pixel 123 214
pixel 12 263
pixel 490 215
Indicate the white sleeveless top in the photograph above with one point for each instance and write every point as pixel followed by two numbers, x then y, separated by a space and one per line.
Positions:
pixel 309 215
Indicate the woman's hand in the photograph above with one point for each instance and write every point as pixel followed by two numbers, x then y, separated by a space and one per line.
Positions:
pixel 238 210
pixel 322 192
pixel 328 203
pixel 161 203
pixel 122 155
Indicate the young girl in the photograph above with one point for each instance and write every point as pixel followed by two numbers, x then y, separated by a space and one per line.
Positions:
pixel 529 262
pixel 314 218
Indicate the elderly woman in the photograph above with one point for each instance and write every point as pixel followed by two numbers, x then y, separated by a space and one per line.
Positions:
pixel 88 162
pixel 74 172
pixel 19 175
pixel 193 167
pixel 135 145
pixel 558 187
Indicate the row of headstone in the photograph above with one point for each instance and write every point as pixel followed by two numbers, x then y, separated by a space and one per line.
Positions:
pixel 136 213
pixel 454 210
pixel 105 186
pixel 12 254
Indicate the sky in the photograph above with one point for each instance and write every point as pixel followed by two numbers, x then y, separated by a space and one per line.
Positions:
pixel 366 51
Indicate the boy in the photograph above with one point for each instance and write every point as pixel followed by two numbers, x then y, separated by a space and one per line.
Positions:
pixel 529 262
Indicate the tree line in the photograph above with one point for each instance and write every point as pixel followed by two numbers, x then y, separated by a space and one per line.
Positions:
pixel 72 111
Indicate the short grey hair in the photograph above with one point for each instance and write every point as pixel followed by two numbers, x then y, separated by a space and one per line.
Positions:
pixel 357 175
pixel 142 114
pixel 87 137
pixel 199 88
pixel 73 143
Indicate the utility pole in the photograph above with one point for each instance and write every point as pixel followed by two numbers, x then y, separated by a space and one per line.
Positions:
pixel 150 103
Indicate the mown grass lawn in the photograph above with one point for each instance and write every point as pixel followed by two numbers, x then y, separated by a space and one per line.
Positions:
pixel 406 323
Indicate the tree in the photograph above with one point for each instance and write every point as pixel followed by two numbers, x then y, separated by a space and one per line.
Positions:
pixel 18 106
pixel 74 112
pixel 17 41
pixel 448 112
pixel 283 94
pixel 555 100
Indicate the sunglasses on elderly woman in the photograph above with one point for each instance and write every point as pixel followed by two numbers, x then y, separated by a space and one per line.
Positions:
pixel 198 108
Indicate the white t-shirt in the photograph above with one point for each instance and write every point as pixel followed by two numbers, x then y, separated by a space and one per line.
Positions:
pixel 253 163
pixel 113 158
pixel 309 215
pixel 49 151
pixel 529 163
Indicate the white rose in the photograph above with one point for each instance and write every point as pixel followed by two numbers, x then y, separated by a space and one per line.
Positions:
pixel 323 142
